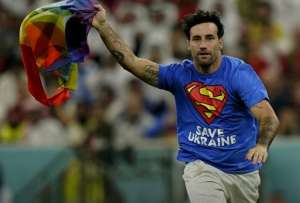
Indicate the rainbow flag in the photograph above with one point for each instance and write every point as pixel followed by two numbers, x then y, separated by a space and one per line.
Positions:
pixel 53 40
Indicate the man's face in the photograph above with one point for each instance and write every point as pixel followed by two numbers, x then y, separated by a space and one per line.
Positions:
pixel 204 44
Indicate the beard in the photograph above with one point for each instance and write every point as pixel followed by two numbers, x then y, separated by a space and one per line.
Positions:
pixel 205 66
pixel 205 61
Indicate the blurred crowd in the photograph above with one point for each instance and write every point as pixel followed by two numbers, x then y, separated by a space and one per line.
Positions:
pixel 111 111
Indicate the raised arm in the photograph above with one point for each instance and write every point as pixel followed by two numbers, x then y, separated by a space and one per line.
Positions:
pixel 268 125
pixel 144 69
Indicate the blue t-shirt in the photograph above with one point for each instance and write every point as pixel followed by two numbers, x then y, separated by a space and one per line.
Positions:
pixel 214 122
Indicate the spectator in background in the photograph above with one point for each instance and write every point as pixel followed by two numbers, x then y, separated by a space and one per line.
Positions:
pixel 158 18
pixel 292 117
pixel 134 120
pixel 290 124
pixel 292 70
pixel 9 83
pixel 263 27
pixel 285 91
pixel 261 37
pixel 13 129
pixel 265 31
pixel 185 7
pixel 45 128
pixel 178 49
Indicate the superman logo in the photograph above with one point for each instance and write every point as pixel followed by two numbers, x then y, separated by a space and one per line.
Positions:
pixel 209 101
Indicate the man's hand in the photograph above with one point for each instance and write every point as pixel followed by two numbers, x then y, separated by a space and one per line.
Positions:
pixel 268 125
pixel 258 154
pixel 100 17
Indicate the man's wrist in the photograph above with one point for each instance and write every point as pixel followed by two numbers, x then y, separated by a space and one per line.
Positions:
pixel 263 140
pixel 262 145
pixel 100 25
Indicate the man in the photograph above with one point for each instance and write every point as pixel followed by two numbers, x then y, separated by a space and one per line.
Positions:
pixel 225 123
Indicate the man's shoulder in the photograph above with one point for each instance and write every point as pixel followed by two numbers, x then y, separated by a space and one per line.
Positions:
pixel 178 65
pixel 187 62
pixel 183 62
pixel 235 64
pixel 234 61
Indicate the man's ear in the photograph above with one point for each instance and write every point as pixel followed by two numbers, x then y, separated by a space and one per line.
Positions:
pixel 188 45
pixel 221 43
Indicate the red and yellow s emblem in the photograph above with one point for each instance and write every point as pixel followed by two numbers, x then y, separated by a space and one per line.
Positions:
pixel 209 101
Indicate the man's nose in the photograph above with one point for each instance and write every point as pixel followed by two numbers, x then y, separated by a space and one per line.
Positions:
pixel 203 45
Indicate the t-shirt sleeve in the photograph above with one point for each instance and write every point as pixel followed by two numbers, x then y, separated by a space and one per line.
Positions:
pixel 249 86
pixel 167 76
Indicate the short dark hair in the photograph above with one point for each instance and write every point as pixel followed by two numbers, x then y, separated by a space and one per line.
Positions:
pixel 199 17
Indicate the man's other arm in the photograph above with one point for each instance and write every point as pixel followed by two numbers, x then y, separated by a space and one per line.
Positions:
pixel 268 125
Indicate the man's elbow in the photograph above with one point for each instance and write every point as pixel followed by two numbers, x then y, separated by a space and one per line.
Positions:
pixel 276 122
pixel 273 122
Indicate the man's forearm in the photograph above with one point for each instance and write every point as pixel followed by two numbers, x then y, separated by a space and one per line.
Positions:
pixel 118 48
pixel 144 69
pixel 268 129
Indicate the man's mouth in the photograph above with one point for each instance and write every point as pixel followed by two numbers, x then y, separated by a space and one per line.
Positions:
pixel 203 54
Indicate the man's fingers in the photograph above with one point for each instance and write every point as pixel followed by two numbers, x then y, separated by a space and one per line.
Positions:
pixel 260 158
pixel 98 7
pixel 255 157
pixel 250 154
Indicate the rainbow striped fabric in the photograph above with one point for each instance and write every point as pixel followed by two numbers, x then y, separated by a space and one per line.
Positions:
pixel 53 40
